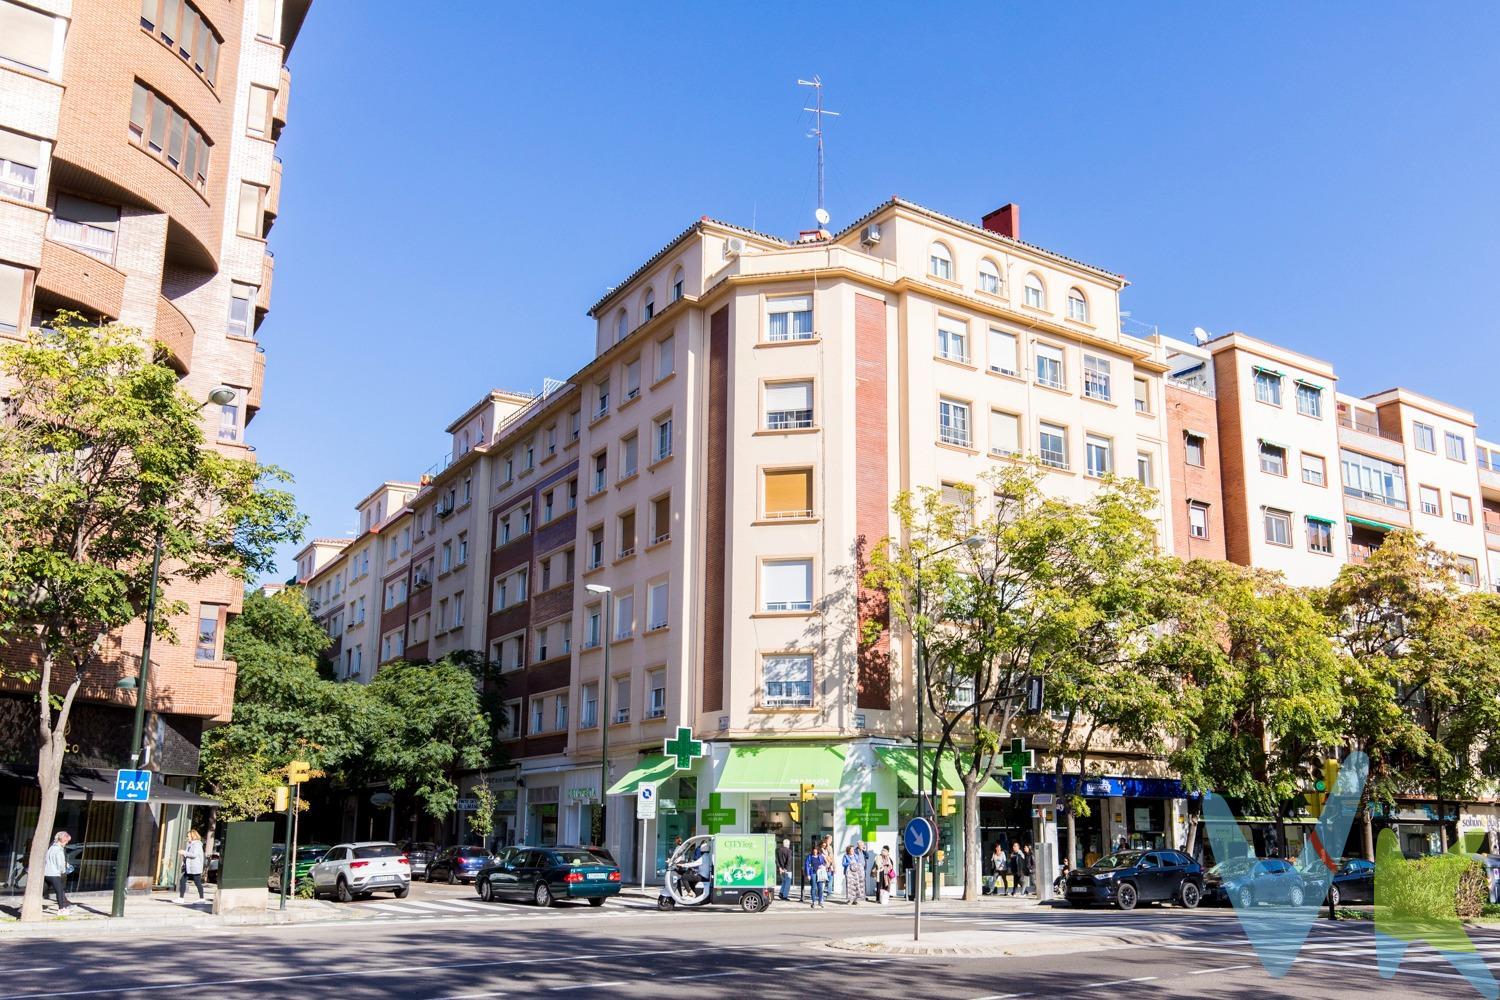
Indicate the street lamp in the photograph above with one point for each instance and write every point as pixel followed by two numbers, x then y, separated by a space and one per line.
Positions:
pixel 219 397
pixel 605 592
pixel 973 542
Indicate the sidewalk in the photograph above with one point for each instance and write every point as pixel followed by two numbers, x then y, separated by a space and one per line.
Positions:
pixel 160 910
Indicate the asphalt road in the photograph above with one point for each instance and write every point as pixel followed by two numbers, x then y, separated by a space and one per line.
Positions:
pixel 443 943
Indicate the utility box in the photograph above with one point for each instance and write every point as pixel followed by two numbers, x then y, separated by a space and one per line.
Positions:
pixel 246 862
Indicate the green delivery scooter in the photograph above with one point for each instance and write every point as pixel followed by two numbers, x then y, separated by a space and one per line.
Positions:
pixel 721 869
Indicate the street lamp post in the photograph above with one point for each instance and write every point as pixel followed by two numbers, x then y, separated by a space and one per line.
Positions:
pixel 138 684
pixel 605 592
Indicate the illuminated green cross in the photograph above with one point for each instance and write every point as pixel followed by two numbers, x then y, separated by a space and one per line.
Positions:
pixel 1018 759
pixel 716 816
pixel 683 747
pixel 867 817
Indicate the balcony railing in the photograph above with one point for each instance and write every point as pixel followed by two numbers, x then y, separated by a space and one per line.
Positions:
pixel 1380 498
pixel 788 420
pixel 1366 427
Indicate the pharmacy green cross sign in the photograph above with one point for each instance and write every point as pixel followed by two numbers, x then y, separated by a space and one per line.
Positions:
pixel 716 816
pixel 867 817
pixel 1018 759
pixel 683 747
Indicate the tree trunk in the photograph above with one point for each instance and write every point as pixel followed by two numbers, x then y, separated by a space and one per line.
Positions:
pixel 1072 838
pixel 971 838
pixel 52 745
pixel 213 825
pixel 1369 832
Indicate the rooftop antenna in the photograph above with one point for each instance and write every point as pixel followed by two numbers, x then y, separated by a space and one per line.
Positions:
pixel 818 111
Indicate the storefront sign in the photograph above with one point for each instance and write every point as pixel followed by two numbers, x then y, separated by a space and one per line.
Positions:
pixel 683 748
pixel 717 816
pixel 581 794
pixel 468 804
pixel 868 818
pixel 1018 760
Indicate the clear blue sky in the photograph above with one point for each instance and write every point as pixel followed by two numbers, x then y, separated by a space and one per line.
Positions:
pixel 463 182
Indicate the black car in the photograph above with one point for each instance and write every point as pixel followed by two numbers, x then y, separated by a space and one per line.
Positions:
pixel 1353 881
pixel 546 875
pixel 1251 881
pixel 1126 878
pixel 419 853
pixel 457 864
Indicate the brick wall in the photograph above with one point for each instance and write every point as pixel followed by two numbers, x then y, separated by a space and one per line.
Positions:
pixel 716 499
pixel 872 491
pixel 1188 410
pixel 1232 459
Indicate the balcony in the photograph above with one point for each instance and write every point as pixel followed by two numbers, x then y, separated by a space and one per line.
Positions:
pixel 278 107
pixel 80 280
pixel 257 385
pixel 1376 507
pixel 1489 478
pixel 175 333
pixel 1365 436
pixel 1492 529
pixel 273 196
pixel 267 274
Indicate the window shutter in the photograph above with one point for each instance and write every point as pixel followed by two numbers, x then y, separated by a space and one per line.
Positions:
pixel 788 492
pixel 789 396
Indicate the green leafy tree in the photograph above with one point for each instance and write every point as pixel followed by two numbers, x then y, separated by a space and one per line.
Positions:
pixel 101 455
pixel 430 726
pixel 482 819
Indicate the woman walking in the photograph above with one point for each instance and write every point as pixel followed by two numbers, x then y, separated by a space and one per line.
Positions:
pixel 192 865
pixel 817 871
pixel 1016 867
pixel 885 874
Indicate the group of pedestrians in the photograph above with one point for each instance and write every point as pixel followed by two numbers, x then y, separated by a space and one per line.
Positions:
pixel 56 868
pixel 855 864
pixel 1007 873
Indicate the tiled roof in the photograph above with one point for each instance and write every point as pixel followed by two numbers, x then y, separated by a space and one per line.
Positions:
pixel 656 257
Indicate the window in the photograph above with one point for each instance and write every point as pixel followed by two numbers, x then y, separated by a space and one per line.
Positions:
pixel 447 561
pixel 786 585
pixel 1463 509
pixel 265 24
pixel 1373 479
pixel 1078 306
pixel 662 432
pixel 661 519
pixel 208 631
pixel 468 491
pixel 575 424
pixel 1142 395
pixel 1278 524
pixel 630 448
pixel 1096 378
pixel 258 122
pixel 20 159
pixel 632 378
pixel 538 714
pixel 648 305
pixel 1193 444
pixel 626 526
pixel 622 700
pixel 1268 386
pixel 240 297
pixel 1314 470
pixel 1035 295
pixel 1049 366
pixel 590 715
pixel 26 37
pixel 572 494
pixel 1454 443
pixel 593 633
pixel 549 439
pixel 940 262
pixel 989 277
pixel 458 606
pixel 1053 445
pixel 656 605
pixel 787 680
pixel 666 357
pixel 1272 458
pixel 1005 433
pixel 1309 399
pixel 549 501
pixel 622 325
pixel 656 693
pixel 596 547
pixel 1319 536
pixel 1468 570
pixel 250 221
pixel 1426 437
pixel 624 616
pixel 1198 520
pixel 789 406
pixel 788 494
pixel 1431 501
pixel 509 590
pixel 560 712
pixel 86 226
pixel 1145 469
pixel 953 422
pixel 789 319
pixel 12 294
pixel 677 284
pixel 953 340
pixel 463 548
pixel 1098 455
pixel 601 396
pixel 1002 352
pixel 511 720
pixel 601 472
pixel 229 422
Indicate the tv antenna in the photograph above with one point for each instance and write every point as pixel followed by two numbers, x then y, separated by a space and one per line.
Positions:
pixel 818 111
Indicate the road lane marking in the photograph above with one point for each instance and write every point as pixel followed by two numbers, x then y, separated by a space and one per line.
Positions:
pixel 470 996
pixel 1222 968
pixel 702 975
pixel 590 986
pixel 1118 982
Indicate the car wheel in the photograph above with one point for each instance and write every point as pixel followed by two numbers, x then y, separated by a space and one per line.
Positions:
pixel 1189 895
pixel 597 901
pixel 403 892
pixel 751 902
pixel 543 895
pixel 452 877
pixel 485 892
pixel 1296 896
pixel 1246 897
pixel 1333 897
pixel 1125 896
pixel 345 896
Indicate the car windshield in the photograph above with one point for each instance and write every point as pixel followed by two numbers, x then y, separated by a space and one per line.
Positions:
pixel 376 851
pixel 574 858
pixel 1233 867
pixel 1125 859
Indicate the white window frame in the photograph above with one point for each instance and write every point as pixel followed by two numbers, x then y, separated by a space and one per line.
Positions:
pixel 955 422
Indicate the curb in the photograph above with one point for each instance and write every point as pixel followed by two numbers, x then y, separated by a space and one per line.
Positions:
pixel 105 926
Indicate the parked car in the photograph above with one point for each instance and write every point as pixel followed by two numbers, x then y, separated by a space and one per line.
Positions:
pixel 1252 881
pixel 1353 880
pixel 419 853
pixel 1126 878
pixel 361 869
pixel 546 875
pixel 307 856
pixel 457 864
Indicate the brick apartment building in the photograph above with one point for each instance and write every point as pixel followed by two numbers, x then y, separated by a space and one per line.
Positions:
pixel 138 183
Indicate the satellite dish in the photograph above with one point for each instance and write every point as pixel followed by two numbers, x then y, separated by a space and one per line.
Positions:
pixel 1200 335
pixel 822 216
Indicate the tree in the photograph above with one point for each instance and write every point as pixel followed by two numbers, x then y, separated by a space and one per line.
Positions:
pixel 482 819
pixel 430 726
pixel 102 458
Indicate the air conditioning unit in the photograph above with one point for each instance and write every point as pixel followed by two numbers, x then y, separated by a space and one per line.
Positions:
pixel 733 245
pixel 870 235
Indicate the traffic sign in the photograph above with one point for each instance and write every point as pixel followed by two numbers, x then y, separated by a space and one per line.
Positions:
pixel 132 786
pixel 919 836
pixel 645 802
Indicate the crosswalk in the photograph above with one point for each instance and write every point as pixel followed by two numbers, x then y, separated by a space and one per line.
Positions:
pixel 448 909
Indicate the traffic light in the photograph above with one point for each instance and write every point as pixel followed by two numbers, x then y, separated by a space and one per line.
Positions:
pixel 808 793
pixel 283 798
pixel 298 772
pixel 946 805
pixel 1330 775
pixel 795 808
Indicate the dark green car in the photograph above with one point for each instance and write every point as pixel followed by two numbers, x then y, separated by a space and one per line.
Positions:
pixel 547 875
pixel 307 856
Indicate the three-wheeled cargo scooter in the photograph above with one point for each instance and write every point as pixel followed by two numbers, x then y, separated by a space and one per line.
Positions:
pixel 730 868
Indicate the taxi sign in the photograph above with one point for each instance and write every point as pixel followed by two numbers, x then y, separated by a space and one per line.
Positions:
pixel 132 786
pixel 919 836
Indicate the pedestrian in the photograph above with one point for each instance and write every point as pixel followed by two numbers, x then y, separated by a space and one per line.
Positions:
pixel 855 861
pixel 999 866
pixel 1015 864
pixel 1028 869
pixel 817 871
pixel 192 865
pixel 885 875
pixel 55 870
pixel 1061 882
pixel 784 868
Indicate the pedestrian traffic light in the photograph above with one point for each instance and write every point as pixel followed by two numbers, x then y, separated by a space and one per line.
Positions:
pixel 795 808
pixel 808 793
pixel 283 798
pixel 946 805
pixel 298 772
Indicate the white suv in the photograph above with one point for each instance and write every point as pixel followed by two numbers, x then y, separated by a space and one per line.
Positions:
pixel 355 870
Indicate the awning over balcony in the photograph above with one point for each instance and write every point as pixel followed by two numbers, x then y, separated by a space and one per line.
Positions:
pixel 780 770
pixel 651 771
pixel 903 761
pixel 1365 522
pixel 1321 520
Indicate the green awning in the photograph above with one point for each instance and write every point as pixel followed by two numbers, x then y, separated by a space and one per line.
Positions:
pixel 1273 444
pixel 903 761
pixel 780 770
pixel 1268 371
pixel 1377 525
pixel 1310 385
pixel 1321 520
pixel 651 771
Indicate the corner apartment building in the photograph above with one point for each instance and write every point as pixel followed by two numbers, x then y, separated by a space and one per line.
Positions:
pixel 139 183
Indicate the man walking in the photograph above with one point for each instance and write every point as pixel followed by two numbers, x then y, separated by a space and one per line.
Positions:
pixel 55 870
pixel 784 868
pixel 1028 869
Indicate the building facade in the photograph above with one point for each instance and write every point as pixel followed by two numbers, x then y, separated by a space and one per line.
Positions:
pixel 139 184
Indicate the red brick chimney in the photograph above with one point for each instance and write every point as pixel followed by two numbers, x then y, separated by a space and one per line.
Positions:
pixel 1005 220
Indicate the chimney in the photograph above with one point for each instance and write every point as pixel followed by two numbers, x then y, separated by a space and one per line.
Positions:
pixel 1005 220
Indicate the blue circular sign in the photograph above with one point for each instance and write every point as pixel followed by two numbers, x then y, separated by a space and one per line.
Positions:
pixel 919 836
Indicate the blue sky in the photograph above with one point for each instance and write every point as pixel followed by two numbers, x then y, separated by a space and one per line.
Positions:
pixel 462 184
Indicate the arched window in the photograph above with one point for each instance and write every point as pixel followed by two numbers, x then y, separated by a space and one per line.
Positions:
pixel 622 325
pixel 989 277
pixel 1078 306
pixel 1036 295
pixel 677 282
pixel 940 262
pixel 648 305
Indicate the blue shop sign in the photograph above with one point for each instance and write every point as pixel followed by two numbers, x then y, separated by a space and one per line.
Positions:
pixel 1100 788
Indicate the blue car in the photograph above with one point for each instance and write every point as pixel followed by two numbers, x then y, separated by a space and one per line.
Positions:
pixel 458 864
pixel 1249 882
